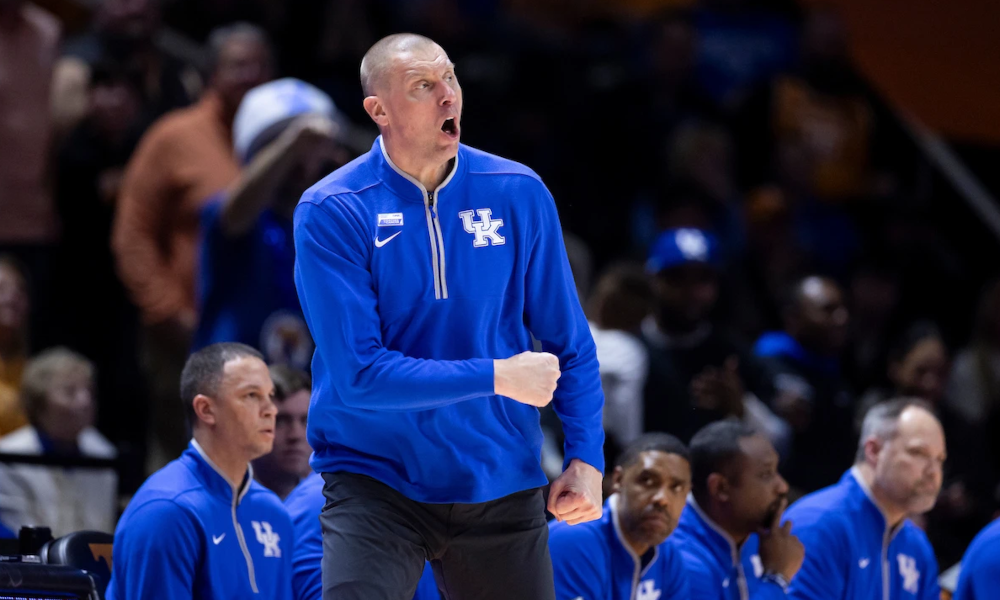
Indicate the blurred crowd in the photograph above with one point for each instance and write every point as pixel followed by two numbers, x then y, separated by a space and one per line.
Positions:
pixel 746 221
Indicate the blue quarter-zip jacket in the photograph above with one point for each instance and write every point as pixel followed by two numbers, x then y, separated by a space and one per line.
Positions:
pixel 190 533
pixel 410 294
pixel 717 568
pixel 592 561
pixel 852 554
pixel 979 578
pixel 304 505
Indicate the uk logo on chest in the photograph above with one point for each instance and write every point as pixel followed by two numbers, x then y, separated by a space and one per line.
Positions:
pixel 268 538
pixel 647 591
pixel 485 229
pixel 909 573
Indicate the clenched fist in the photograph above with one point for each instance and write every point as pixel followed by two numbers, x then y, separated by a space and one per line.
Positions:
pixel 529 377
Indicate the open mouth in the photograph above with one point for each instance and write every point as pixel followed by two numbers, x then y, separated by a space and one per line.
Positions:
pixel 450 127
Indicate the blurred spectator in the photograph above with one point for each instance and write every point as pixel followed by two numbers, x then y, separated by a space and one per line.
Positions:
pixel 181 162
pixel 809 389
pixel 58 395
pixel 974 390
pixel 123 33
pixel 93 313
pixel 622 299
pixel 288 462
pixel 14 313
pixel 739 48
pixel 698 372
pixel 822 107
pixel 283 134
pixel 701 155
pixel 29 39
pixel 875 294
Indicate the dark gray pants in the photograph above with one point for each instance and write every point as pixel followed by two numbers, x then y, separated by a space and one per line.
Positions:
pixel 375 542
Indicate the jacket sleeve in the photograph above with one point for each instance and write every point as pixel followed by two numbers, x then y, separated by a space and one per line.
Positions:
pixel 161 549
pixel 821 576
pixel 577 571
pixel 307 553
pixel 702 582
pixel 979 578
pixel 336 290
pixel 554 316
pixel 142 213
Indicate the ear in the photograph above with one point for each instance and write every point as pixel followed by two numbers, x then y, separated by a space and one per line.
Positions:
pixel 205 409
pixel 376 110
pixel 718 487
pixel 616 480
pixel 873 447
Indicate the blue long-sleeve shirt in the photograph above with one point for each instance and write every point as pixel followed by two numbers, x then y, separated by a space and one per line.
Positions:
pixel 190 533
pixel 410 294
pixel 592 561
pixel 979 578
pixel 304 505
pixel 852 554
pixel 717 568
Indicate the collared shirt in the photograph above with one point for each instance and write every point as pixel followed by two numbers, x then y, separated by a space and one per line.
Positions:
pixel 719 569
pixel 410 295
pixel 593 561
pixel 189 532
pixel 852 553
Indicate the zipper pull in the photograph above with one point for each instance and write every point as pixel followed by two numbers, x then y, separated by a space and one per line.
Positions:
pixel 430 203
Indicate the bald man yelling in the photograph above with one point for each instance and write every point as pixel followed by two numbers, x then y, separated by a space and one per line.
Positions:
pixel 424 269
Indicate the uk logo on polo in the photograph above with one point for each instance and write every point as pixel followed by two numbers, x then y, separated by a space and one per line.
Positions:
pixel 908 571
pixel 268 538
pixel 647 591
pixel 485 229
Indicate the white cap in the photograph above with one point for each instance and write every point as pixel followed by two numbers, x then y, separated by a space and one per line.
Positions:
pixel 273 102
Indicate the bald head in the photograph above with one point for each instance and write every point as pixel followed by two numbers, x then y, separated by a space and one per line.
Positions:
pixel 380 58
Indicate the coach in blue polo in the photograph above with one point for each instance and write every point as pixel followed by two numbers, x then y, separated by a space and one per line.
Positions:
pixel 425 268
pixel 201 527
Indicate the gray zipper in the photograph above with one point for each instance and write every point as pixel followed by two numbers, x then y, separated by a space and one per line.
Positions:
pixel 638 572
pixel 433 223
pixel 237 496
pixel 734 552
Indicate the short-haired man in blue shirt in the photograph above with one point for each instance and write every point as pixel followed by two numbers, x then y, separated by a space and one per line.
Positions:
pixel 729 535
pixel 201 527
pixel 427 271
pixel 979 578
pixel 626 555
pixel 859 543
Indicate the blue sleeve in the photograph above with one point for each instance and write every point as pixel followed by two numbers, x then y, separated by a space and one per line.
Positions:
pixel 554 316
pixel 979 578
pixel 161 547
pixel 675 580
pixel 702 582
pixel 336 289
pixel 307 555
pixel 820 577
pixel 577 567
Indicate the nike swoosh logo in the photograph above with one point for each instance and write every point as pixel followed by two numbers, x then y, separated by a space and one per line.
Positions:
pixel 216 540
pixel 379 243
pixel 863 563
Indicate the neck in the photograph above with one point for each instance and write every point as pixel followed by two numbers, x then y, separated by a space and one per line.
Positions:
pixel 725 521
pixel 278 481
pixel 676 327
pixel 429 172
pixel 893 514
pixel 232 464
